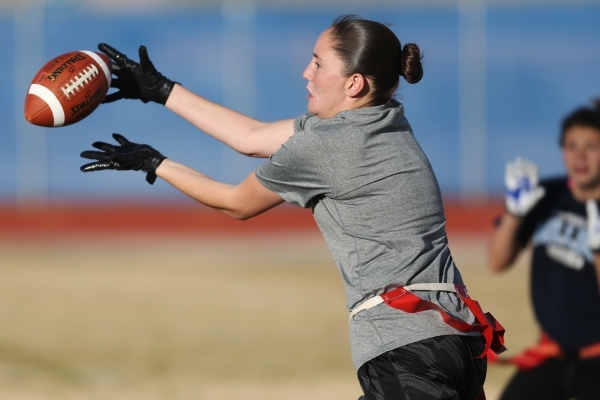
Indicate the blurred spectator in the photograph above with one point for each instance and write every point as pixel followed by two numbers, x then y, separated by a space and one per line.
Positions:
pixel 559 217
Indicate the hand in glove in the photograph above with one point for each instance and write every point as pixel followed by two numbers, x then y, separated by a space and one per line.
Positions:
pixel 128 156
pixel 593 225
pixel 522 190
pixel 136 80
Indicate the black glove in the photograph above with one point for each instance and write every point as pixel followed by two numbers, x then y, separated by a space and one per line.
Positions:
pixel 126 157
pixel 136 81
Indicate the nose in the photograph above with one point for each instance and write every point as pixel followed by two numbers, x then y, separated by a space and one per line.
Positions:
pixel 580 154
pixel 306 74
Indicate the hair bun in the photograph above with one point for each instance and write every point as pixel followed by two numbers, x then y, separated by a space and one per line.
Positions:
pixel 411 68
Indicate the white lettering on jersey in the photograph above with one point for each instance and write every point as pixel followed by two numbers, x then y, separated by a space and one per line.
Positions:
pixel 565 236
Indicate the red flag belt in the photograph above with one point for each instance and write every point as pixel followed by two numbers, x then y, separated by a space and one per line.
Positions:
pixel 404 300
pixel 546 348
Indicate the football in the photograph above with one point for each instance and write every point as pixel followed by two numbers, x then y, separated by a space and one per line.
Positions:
pixel 68 88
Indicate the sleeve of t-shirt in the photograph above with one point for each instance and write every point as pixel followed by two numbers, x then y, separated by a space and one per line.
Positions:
pixel 299 171
pixel 305 121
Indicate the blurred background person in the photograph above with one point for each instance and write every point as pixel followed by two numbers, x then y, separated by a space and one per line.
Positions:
pixel 559 217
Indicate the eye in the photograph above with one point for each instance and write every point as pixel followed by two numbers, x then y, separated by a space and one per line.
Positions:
pixel 317 64
pixel 592 146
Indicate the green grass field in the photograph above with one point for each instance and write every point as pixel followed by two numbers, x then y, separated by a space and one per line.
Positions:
pixel 199 318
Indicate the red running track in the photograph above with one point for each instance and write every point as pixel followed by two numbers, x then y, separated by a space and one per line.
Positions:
pixel 474 217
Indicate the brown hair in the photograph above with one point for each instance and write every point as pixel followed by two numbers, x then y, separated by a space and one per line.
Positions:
pixel 371 49
pixel 583 116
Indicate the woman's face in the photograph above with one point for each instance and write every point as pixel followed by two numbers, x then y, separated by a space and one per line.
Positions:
pixel 326 83
pixel 581 155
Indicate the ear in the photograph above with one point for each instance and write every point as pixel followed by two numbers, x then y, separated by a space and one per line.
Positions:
pixel 357 86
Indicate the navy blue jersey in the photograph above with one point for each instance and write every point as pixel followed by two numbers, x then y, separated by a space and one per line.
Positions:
pixel 564 287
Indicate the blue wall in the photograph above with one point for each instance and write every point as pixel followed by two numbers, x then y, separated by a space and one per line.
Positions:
pixel 542 63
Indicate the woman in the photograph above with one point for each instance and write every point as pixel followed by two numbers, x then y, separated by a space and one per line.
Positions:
pixel 560 217
pixel 352 159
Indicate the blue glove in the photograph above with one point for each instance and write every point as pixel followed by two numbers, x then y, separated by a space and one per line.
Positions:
pixel 593 225
pixel 522 189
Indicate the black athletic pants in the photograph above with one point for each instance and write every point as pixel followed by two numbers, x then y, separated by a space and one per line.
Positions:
pixel 557 380
pixel 443 367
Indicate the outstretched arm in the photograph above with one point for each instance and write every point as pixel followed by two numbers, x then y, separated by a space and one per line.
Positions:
pixel 504 246
pixel 522 194
pixel 142 81
pixel 243 201
pixel 593 231
pixel 240 132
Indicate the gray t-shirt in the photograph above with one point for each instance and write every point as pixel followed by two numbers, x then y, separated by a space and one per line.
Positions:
pixel 378 204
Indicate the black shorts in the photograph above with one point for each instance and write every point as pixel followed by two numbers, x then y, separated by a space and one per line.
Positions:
pixel 443 367
pixel 556 380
